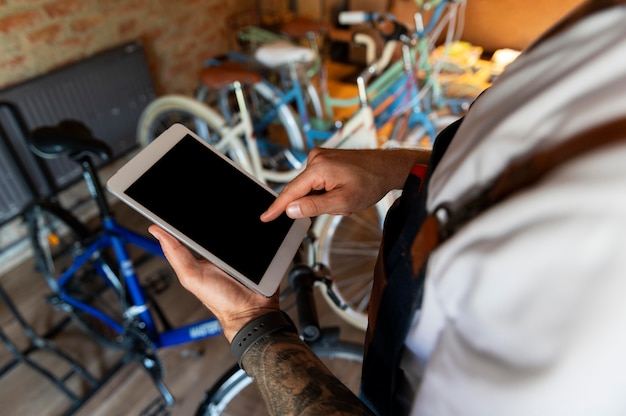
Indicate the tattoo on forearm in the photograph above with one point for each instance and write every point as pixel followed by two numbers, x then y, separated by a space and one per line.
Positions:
pixel 293 381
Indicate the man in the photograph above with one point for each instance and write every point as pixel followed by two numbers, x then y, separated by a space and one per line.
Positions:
pixel 522 311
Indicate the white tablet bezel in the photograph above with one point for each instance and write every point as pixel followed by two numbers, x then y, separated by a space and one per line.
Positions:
pixel 144 159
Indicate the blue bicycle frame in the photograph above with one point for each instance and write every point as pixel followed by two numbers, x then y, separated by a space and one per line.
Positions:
pixel 117 237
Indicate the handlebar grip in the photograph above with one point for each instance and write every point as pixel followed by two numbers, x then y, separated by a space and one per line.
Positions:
pixel 370 46
pixel 353 18
pixel 302 279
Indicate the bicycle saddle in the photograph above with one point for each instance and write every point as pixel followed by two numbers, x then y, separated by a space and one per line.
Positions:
pixel 216 77
pixel 68 137
pixel 281 52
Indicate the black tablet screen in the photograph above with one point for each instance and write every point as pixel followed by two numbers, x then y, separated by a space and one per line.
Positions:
pixel 214 204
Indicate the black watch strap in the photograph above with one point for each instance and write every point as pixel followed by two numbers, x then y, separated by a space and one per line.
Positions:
pixel 259 328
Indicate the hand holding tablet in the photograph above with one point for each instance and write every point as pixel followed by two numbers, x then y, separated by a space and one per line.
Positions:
pixel 212 206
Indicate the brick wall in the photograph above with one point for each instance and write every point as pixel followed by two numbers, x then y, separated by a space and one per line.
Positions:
pixel 39 35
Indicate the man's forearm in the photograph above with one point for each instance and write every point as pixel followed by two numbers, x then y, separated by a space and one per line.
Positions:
pixel 400 163
pixel 293 381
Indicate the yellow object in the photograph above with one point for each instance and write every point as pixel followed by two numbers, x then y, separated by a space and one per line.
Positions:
pixel 462 73
pixel 53 240
pixel 457 56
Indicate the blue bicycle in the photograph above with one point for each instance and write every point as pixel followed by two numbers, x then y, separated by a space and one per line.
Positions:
pixel 92 273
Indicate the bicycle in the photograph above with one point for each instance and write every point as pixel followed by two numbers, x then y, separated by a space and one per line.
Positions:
pixel 91 273
pixel 344 359
pixel 287 44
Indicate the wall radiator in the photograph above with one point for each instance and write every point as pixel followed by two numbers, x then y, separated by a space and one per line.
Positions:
pixel 107 92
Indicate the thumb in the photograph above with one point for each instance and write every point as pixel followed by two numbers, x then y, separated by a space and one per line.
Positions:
pixel 317 204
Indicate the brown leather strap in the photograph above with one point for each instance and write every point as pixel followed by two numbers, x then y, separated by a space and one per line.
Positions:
pixel 520 174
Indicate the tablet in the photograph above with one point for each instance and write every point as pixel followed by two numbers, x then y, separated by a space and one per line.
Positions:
pixel 212 206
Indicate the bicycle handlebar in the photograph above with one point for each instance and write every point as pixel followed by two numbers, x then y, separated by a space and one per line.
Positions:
pixel 388 27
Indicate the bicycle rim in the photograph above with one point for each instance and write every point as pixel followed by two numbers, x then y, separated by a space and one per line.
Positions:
pixel 348 246
pixel 235 394
pixel 161 113
pixel 57 237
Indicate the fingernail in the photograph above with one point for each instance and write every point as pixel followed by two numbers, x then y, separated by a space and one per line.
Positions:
pixel 294 211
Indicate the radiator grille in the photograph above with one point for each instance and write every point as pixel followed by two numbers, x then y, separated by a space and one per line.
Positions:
pixel 107 92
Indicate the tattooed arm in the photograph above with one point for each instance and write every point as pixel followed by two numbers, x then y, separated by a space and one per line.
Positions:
pixel 293 380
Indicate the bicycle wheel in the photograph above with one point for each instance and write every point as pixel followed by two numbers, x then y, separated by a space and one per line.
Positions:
pixel 235 392
pixel 161 113
pixel 57 237
pixel 348 246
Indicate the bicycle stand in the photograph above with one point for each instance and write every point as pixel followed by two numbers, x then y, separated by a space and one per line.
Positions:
pixel 42 343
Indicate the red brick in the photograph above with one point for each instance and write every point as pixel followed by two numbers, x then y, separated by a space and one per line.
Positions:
pixel 13 63
pixel 127 27
pixel 86 24
pixel 44 35
pixel 62 8
pixel 136 6
pixel 18 22
pixel 77 43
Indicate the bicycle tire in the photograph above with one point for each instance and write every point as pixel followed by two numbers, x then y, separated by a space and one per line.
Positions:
pixel 236 383
pixel 348 246
pixel 203 120
pixel 166 110
pixel 56 237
